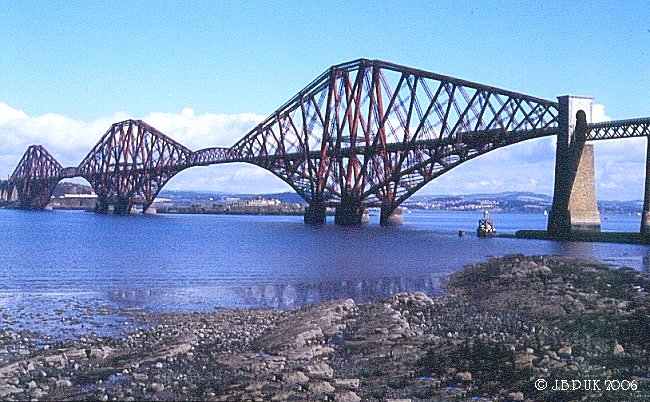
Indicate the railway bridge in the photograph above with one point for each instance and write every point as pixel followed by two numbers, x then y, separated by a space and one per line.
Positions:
pixel 364 133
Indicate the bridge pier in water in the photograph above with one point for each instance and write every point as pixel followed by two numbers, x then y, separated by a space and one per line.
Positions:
pixel 574 196
pixel 351 211
pixel 390 216
pixel 121 206
pixel 315 213
pixel 645 216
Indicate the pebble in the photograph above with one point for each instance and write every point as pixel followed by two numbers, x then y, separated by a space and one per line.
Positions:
pixel 566 350
pixel 464 376
pixel 617 349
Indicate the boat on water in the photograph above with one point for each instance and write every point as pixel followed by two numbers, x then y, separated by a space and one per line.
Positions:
pixel 485 226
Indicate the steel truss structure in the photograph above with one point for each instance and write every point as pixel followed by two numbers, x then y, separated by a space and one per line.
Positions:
pixel 618 129
pixel 364 133
pixel 375 132
pixel 35 177
pixel 131 163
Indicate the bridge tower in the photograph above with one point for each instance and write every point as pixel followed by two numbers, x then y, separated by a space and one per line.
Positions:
pixel 35 178
pixel 574 196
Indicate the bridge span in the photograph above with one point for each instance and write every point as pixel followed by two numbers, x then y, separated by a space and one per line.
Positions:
pixel 363 133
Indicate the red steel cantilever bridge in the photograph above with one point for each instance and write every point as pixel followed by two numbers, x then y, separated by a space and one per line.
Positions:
pixel 364 133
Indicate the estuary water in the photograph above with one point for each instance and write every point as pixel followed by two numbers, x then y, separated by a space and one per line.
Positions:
pixel 201 262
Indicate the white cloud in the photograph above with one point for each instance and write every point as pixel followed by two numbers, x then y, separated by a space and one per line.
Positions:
pixel 598 113
pixel 69 140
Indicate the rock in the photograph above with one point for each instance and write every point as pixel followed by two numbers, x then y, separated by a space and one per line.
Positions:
pixel 320 369
pixel 311 335
pixel 349 383
pixel 8 389
pixel 516 396
pixel 525 359
pixel 157 387
pixel 31 385
pixel 37 393
pixel 566 350
pixel 617 349
pixel 140 377
pixel 100 353
pixel 295 377
pixel 464 376
pixel 346 396
pixel 321 387
pixel 63 383
pixel 552 355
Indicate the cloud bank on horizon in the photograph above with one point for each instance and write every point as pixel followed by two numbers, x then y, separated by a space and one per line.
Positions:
pixel 528 166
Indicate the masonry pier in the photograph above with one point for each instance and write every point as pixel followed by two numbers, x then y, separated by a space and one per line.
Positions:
pixel 390 216
pixel 351 211
pixel 645 216
pixel 574 196
pixel 315 213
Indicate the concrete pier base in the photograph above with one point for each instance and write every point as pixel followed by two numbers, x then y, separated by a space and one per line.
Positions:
pixel 645 216
pixel 351 212
pixel 150 211
pixel 315 214
pixel 365 216
pixel 645 223
pixel 101 207
pixel 390 218
pixel 574 196
pixel 122 206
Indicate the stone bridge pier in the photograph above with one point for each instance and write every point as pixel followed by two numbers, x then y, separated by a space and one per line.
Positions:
pixel 574 196
pixel 645 216
pixel 351 211
pixel 315 213
pixel 121 205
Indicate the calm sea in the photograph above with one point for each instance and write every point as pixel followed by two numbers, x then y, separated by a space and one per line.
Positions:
pixel 199 262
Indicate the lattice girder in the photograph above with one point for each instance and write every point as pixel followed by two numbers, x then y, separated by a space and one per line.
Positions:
pixel 133 161
pixel 368 122
pixel 619 129
pixel 35 177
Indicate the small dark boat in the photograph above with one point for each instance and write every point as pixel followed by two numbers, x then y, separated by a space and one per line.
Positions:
pixel 485 226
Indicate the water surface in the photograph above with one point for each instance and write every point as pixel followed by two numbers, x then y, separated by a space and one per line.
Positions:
pixel 199 262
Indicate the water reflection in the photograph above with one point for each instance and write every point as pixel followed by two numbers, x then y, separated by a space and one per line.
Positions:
pixel 285 295
pixel 362 291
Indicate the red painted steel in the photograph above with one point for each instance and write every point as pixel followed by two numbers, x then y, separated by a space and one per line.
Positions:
pixel 365 133
pixel 131 163
pixel 35 177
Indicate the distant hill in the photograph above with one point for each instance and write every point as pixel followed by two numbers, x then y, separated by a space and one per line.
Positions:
pixel 510 201
pixel 71 188
pixel 216 196
pixel 504 196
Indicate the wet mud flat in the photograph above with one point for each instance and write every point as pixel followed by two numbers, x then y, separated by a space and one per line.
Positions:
pixel 502 326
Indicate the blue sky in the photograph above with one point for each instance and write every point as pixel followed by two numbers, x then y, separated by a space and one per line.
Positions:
pixel 208 71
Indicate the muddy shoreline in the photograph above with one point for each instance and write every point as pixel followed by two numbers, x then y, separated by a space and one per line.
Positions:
pixel 503 325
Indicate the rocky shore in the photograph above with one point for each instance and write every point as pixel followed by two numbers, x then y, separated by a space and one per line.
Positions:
pixel 502 326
